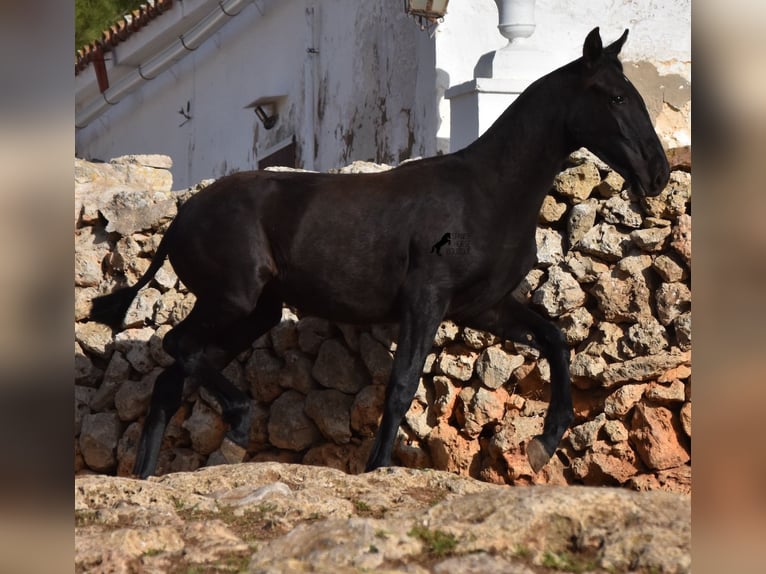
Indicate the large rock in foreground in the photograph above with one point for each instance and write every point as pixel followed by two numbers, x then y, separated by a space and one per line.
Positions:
pixel 280 518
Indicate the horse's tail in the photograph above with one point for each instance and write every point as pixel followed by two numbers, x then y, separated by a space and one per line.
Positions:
pixel 111 309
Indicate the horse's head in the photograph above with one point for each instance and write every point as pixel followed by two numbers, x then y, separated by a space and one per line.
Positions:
pixel 609 117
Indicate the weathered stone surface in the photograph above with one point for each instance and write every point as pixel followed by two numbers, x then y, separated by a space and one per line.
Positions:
pixel 642 368
pixel 550 246
pixel 141 310
pixel 331 412
pixel 655 435
pixel 582 217
pixel 478 339
pixel 297 372
pixel 206 428
pixel 577 183
pixel 647 337
pixel 552 210
pixel 605 242
pixel 585 269
pixel 666 394
pixel 132 397
pixel 376 358
pixel 478 407
pixel 686 418
pixel 585 369
pixel 451 450
pixel 91 247
pixel 683 330
pixel 611 185
pixel 606 464
pixel 457 362
pixel 367 409
pixel 134 344
pixel 263 373
pixel 495 365
pixel 94 338
pixel 576 325
pixel 284 337
pixel 681 239
pixel 337 368
pixel 619 210
pixel 289 426
pixel 446 333
pixel 651 240
pixel 616 431
pixel 673 299
pixel 129 210
pixel 673 200
pixel 622 298
pixel 619 403
pixel 583 436
pixel 560 294
pixel 98 440
pixel 669 269
pixel 312 332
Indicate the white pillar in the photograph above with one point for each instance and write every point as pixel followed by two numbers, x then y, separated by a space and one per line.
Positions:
pixel 499 76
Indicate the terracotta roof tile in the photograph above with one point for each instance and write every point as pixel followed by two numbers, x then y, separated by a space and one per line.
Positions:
pixel 120 31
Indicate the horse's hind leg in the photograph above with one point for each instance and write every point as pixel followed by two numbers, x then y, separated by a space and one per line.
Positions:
pixel 514 321
pixel 235 404
pixel 202 344
pixel 422 312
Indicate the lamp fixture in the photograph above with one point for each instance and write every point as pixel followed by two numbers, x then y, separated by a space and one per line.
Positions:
pixel 267 120
pixel 428 12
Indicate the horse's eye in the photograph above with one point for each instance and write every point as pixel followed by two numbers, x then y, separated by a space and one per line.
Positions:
pixel 617 100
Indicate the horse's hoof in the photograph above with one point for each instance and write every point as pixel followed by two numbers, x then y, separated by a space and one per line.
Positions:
pixel 231 451
pixel 537 455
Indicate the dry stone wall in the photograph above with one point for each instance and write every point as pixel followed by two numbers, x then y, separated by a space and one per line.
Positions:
pixel 614 272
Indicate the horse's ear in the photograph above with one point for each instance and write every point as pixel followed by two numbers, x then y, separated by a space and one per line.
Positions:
pixel 592 49
pixel 614 48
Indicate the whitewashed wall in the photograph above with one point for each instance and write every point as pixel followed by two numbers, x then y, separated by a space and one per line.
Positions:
pixel 660 33
pixel 374 90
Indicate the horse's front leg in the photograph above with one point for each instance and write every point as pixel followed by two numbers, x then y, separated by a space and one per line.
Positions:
pixel 422 311
pixel 515 321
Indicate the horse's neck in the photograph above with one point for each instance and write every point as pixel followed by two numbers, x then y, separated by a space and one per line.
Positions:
pixel 526 146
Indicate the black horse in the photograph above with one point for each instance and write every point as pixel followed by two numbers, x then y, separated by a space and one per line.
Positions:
pixel 356 248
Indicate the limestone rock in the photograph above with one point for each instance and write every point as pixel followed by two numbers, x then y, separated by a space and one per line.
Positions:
pixel 206 428
pixel 651 240
pixel 134 345
pixel 451 451
pixel 621 401
pixel 289 426
pixel 446 333
pixel 550 246
pixel 560 294
pixel 584 435
pixel 669 269
pixel 673 200
pixel 457 363
pixel 552 210
pixel 98 440
pixel 376 358
pixel 655 435
pixel 131 210
pixel 686 418
pixel 642 368
pixel 681 239
pixel 478 339
pixel 622 298
pixel 647 337
pixel 605 242
pixel 337 368
pixel 582 218
pixel 494 366
pixel 367 409
pixel 576 325
pixel 263 373
pixel 673 299
pixel 132 398
pixel 312 332
pixel 620 211
pixel 577 183
pixel 331 412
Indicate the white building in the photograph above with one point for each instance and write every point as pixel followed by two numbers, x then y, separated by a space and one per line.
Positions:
pixel 346 79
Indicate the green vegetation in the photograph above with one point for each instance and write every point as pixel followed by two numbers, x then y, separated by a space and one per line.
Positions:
pixel 438 543
pixel 91 17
